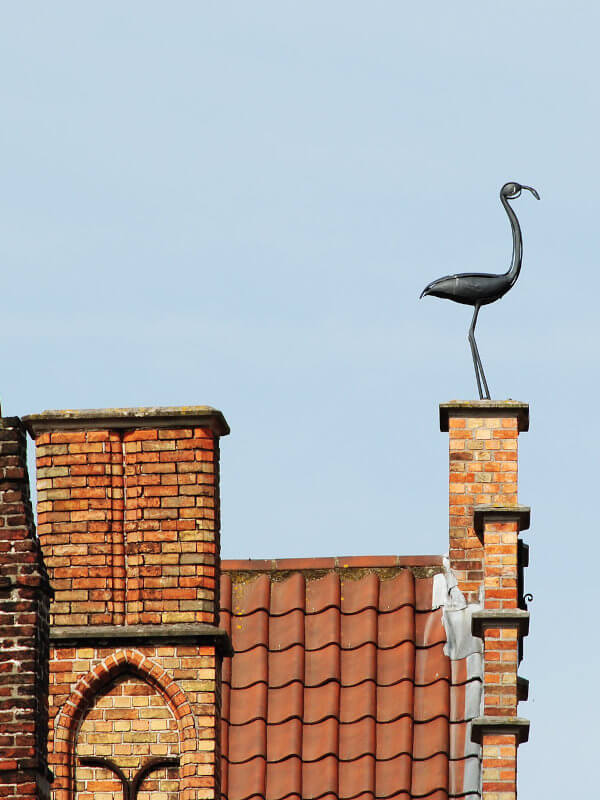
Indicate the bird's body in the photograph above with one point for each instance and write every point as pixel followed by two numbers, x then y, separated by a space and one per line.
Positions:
pixel 479 288
pixel 469 288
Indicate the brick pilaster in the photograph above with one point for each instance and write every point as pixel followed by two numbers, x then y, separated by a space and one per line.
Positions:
pixel 24 601
pixel 499 766
pixel 484 525
pixel 501 623
pixel 129 520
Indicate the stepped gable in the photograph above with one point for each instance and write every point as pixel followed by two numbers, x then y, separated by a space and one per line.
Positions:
pixel 340 686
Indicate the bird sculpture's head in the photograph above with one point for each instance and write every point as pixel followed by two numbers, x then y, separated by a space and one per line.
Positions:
pixel 512 190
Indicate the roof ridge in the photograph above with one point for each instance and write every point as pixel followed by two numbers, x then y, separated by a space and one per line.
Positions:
pixel 328 563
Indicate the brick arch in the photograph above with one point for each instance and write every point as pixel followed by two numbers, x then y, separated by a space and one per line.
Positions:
pixel 82 697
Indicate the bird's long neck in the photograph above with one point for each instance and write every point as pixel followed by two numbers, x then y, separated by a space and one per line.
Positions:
pixel 517 255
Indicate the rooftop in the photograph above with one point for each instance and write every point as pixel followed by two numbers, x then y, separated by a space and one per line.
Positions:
pixel 341 686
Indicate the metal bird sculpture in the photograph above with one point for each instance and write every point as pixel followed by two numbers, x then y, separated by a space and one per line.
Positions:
pixel 479 289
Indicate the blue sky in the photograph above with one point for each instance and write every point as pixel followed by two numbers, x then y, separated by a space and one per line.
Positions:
pixel 239 204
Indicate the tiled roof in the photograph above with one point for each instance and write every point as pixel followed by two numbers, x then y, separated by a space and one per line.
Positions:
pixel 340 686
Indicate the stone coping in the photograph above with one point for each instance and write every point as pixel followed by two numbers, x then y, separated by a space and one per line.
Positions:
pixel 108 635
pixel 499 726
pixel 127 418
pixel 492 513
pixel 500 618
pixel 332 563
pixel 485 408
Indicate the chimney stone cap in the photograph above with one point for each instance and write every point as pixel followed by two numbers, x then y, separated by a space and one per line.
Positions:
pixel 494 513
pixel 485 408
pixel 126 418
pixel 500 618
pixel 499 726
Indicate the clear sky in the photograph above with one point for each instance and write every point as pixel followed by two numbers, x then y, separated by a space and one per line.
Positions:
pixel 238 204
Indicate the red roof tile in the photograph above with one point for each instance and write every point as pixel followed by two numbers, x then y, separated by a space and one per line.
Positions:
pixel 340 686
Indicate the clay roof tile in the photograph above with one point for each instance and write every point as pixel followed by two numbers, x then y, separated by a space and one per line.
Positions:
pixel 340 687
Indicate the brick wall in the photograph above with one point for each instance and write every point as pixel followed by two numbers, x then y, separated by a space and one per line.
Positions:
pixel 129 525
pixel 24 599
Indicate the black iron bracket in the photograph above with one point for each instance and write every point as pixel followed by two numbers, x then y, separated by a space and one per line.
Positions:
pixel 130 788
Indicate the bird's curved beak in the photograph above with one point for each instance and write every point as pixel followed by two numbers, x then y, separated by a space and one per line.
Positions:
pixel 532 190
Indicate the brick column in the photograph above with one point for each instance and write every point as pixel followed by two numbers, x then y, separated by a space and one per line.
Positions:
pixel 129 523
pixel 483 469
pixel 485 554
pixel 24 601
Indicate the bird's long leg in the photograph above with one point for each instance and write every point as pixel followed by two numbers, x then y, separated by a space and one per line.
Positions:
pixel 476 366
pixel 485 386
pixel 476 357
pixel 481 372
pixel 474 349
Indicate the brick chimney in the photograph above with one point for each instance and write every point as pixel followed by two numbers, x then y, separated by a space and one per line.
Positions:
pixel 488 559
pixel 128 516
pixel 24 600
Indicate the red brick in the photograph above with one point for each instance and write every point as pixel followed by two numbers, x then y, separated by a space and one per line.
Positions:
pixel 24 619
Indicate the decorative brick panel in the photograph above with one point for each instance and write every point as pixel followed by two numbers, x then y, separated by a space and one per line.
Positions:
pixel 187 681
pixel 500 565
pixel 129 723
pixel 24 600
pixel 172 524
pixel 500 672
pixel 80 524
